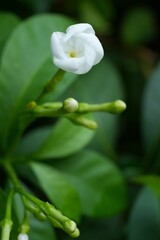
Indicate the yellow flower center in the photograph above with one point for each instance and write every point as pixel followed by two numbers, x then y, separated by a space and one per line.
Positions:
pixel 72 54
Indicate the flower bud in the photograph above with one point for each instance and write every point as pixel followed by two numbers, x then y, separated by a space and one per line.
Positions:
pixel 31 105
pixel 120 106
pixel 23 236
pixel 75 234
pixel 70 105
pixel 69 226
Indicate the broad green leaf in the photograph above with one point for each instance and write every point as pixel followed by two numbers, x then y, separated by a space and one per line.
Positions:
pixel 144 222
pixel 98 181
pixel 151 181
pixel 8 22
pixel 33 141
pixel 62 140
pixel 41 230
pixel 58 189
pixel 103 83
pixel 25 69
pixel 151 111
pixel 138 26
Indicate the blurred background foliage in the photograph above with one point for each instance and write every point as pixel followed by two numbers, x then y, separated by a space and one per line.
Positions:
pixel 129 32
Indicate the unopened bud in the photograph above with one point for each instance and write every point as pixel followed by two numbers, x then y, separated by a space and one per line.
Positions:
pixel 70 226
pixel 120 106
pixel 31 105
pixel 75 234
pixel 23 236
pixel 70 105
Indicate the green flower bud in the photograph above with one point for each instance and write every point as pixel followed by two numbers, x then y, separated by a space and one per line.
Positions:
pixel 120 106
pixel 31 105
pixel 75 234
pixel 69 226
pixel 70 105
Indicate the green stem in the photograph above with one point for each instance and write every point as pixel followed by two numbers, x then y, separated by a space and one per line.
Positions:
pixel 9 205
pixel 11 173
pixel 51 85
pixel 17 185
pixel 24 228
pixel 57 109
pixel 7 222
pixel 47 209
pixel 34 209
pixel 110 107
pixel 6 229
pixel 27 118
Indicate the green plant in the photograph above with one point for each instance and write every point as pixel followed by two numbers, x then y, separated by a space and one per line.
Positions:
pixel 51 157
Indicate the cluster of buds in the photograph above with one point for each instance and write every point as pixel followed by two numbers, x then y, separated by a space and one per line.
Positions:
pixel 75 111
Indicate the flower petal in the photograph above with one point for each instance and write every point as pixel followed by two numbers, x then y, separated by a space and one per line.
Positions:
pixel 69 64
pixel 57 44
pixel 93 42
pixel 90 58
pixel 77 29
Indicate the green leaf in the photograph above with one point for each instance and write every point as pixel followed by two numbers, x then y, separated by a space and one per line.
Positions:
pixel 25 69
pixel 103 83
pixel 41 230
pixel 61 140
pixel 58 189
pixel 151 181
pixel 144 222
pixel 138 26
pixel 99 182
pixel 151 111
pixel 8 22
pixel 37 136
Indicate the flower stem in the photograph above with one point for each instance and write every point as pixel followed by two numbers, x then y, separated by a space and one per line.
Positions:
pixel 51 85
pixel 17 185
pixel 11 173
pixel 24 228
pixel 34 209
pixel 115 107
pixel 6 229
pixel 7 222
pixel 41 210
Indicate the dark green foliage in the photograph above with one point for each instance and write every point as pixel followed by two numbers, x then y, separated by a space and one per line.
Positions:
pixel 107 180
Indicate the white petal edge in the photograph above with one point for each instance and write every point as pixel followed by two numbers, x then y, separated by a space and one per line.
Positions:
pixel 57 44
pixel 75 29
pixel 69 64
pixel 93 42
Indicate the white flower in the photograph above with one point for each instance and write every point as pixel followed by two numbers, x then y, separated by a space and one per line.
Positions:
pixel 77 50
pixel 23 236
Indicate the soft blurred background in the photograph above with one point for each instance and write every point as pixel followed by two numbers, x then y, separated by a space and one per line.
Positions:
pixel 129 32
